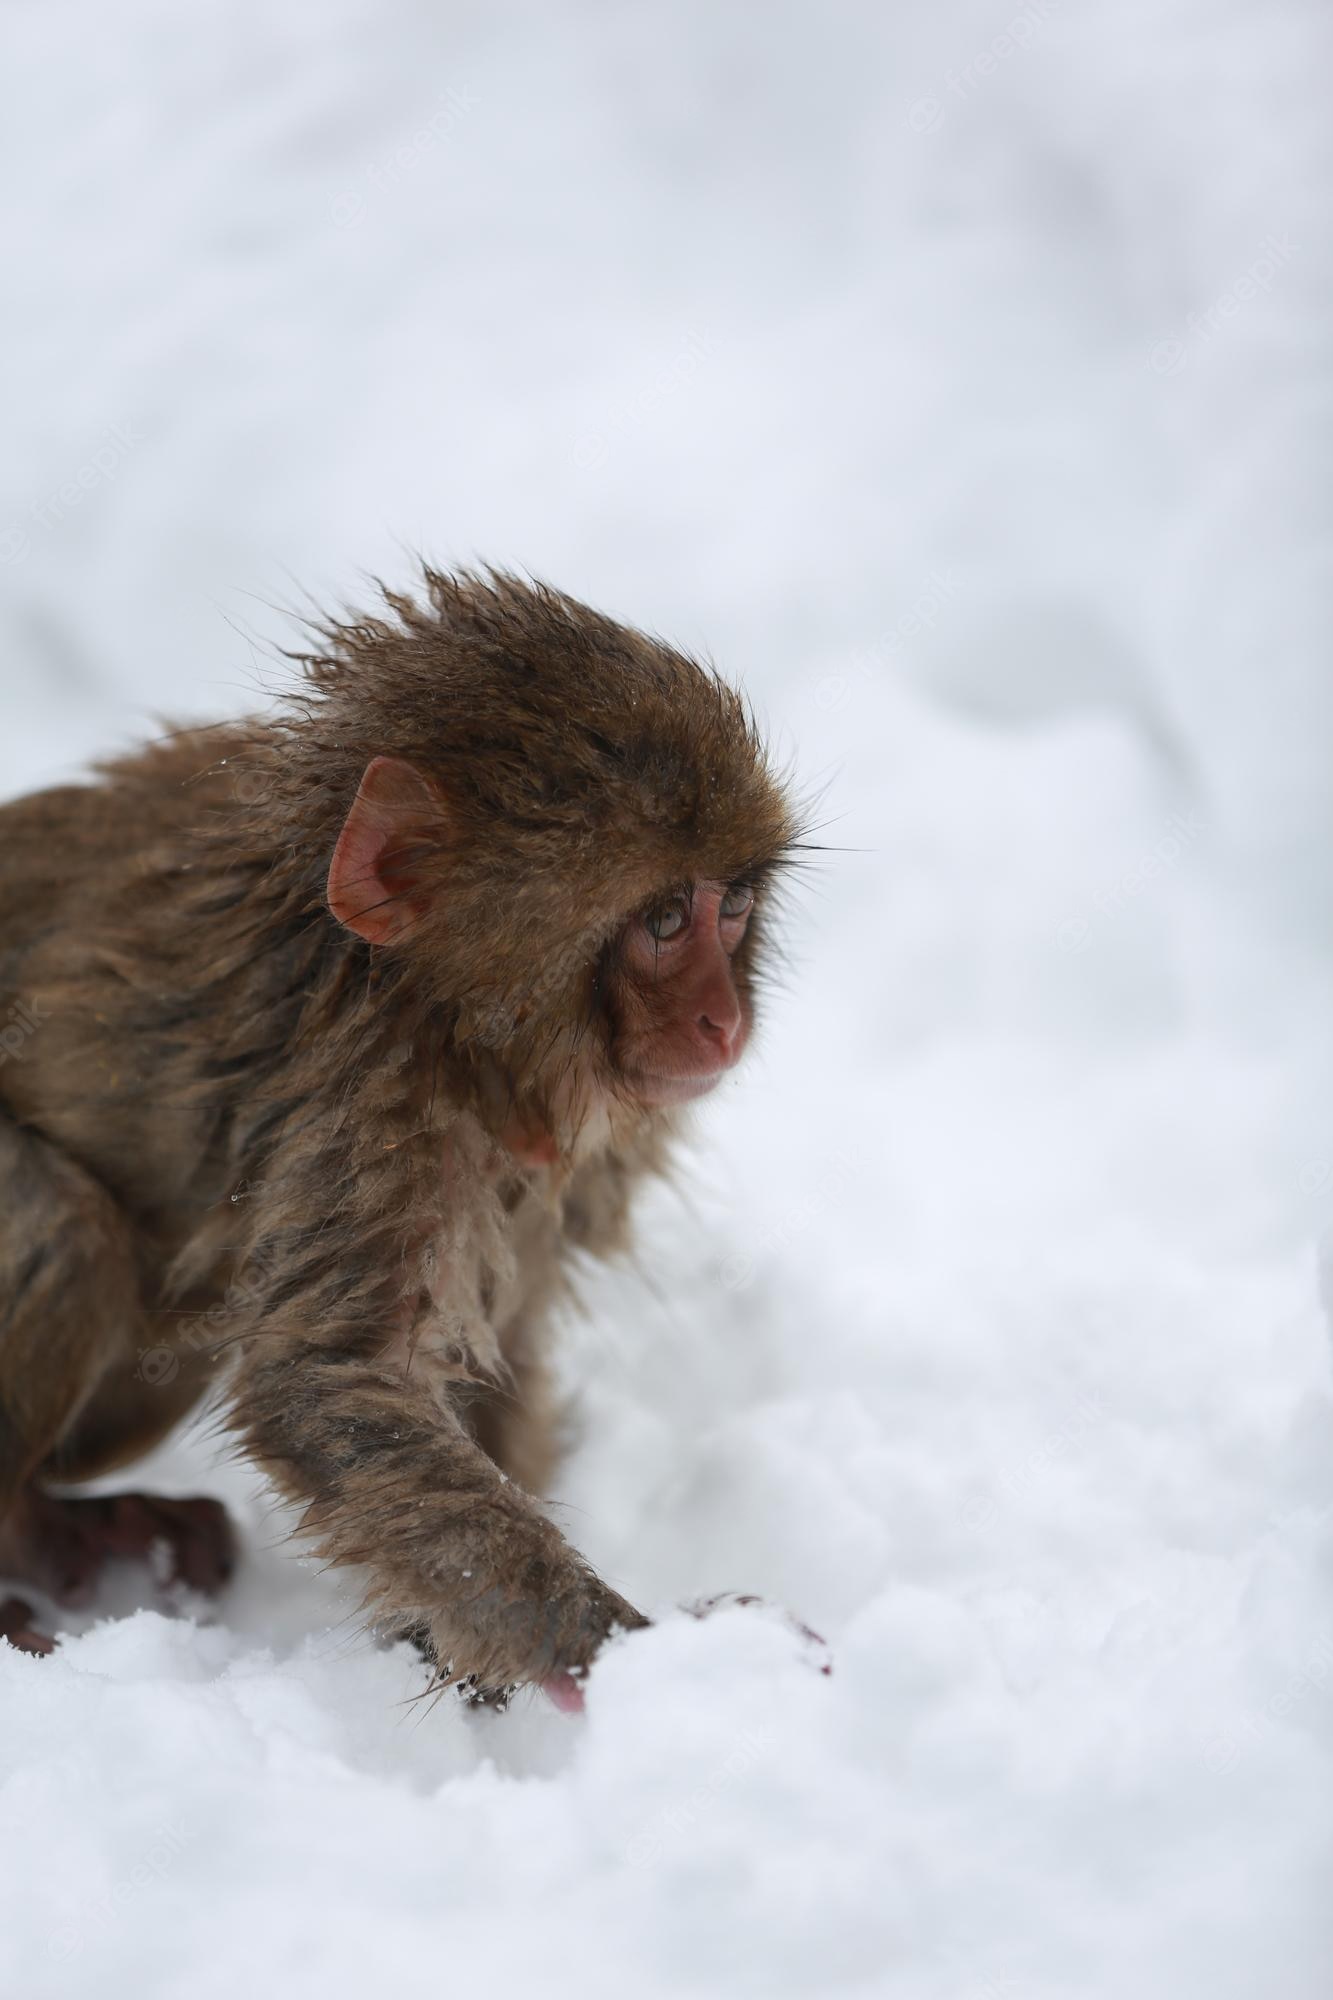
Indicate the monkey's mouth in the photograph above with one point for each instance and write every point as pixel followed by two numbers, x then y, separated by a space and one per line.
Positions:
pixel 659 1089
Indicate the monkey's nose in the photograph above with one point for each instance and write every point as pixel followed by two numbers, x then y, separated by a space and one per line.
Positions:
pixel 721 1035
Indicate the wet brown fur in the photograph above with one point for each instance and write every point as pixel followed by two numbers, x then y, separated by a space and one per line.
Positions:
pixel 240 1140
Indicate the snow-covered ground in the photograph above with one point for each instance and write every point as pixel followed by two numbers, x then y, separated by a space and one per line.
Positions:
pixel 961 378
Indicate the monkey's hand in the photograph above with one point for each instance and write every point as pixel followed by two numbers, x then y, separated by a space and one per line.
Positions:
pixel 457 1555
pixel 540 1624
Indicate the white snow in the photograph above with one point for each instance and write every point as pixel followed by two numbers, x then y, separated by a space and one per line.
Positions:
pixel 961 379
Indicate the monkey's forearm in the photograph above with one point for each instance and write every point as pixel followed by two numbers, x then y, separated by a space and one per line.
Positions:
pixel 391 1480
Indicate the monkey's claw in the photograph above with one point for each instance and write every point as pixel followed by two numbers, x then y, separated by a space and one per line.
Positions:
pixel 474 1694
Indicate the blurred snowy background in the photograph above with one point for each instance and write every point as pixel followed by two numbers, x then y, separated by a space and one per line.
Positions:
pixel 960 376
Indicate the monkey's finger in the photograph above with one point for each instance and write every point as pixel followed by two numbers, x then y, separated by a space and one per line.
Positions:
pixel 565 1693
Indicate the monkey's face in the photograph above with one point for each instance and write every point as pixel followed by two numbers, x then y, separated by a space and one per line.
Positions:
pixel 679 1005
pixel 647 1022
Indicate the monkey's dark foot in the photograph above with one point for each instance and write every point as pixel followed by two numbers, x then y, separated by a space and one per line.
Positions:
pixel 65 1542
pixel 473 1695
pixel 17 1628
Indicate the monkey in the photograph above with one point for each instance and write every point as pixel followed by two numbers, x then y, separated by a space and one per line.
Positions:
pixel 338 1037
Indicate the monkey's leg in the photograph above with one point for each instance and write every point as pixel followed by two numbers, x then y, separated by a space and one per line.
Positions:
pixel 69 1300
pixel 70 1311
pixel 391 1480
pixel 17 1627
pixel 61 1543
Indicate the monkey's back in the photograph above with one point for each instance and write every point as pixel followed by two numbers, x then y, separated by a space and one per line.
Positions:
pixel 60 847
pixel 88 877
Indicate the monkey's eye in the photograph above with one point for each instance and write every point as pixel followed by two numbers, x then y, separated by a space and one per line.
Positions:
pixel 737 900
pixel 666 923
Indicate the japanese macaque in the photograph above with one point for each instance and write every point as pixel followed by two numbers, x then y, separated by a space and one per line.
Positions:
pixel 329 1040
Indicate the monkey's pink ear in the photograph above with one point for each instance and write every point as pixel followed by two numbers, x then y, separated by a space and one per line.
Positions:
pixel 377 885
